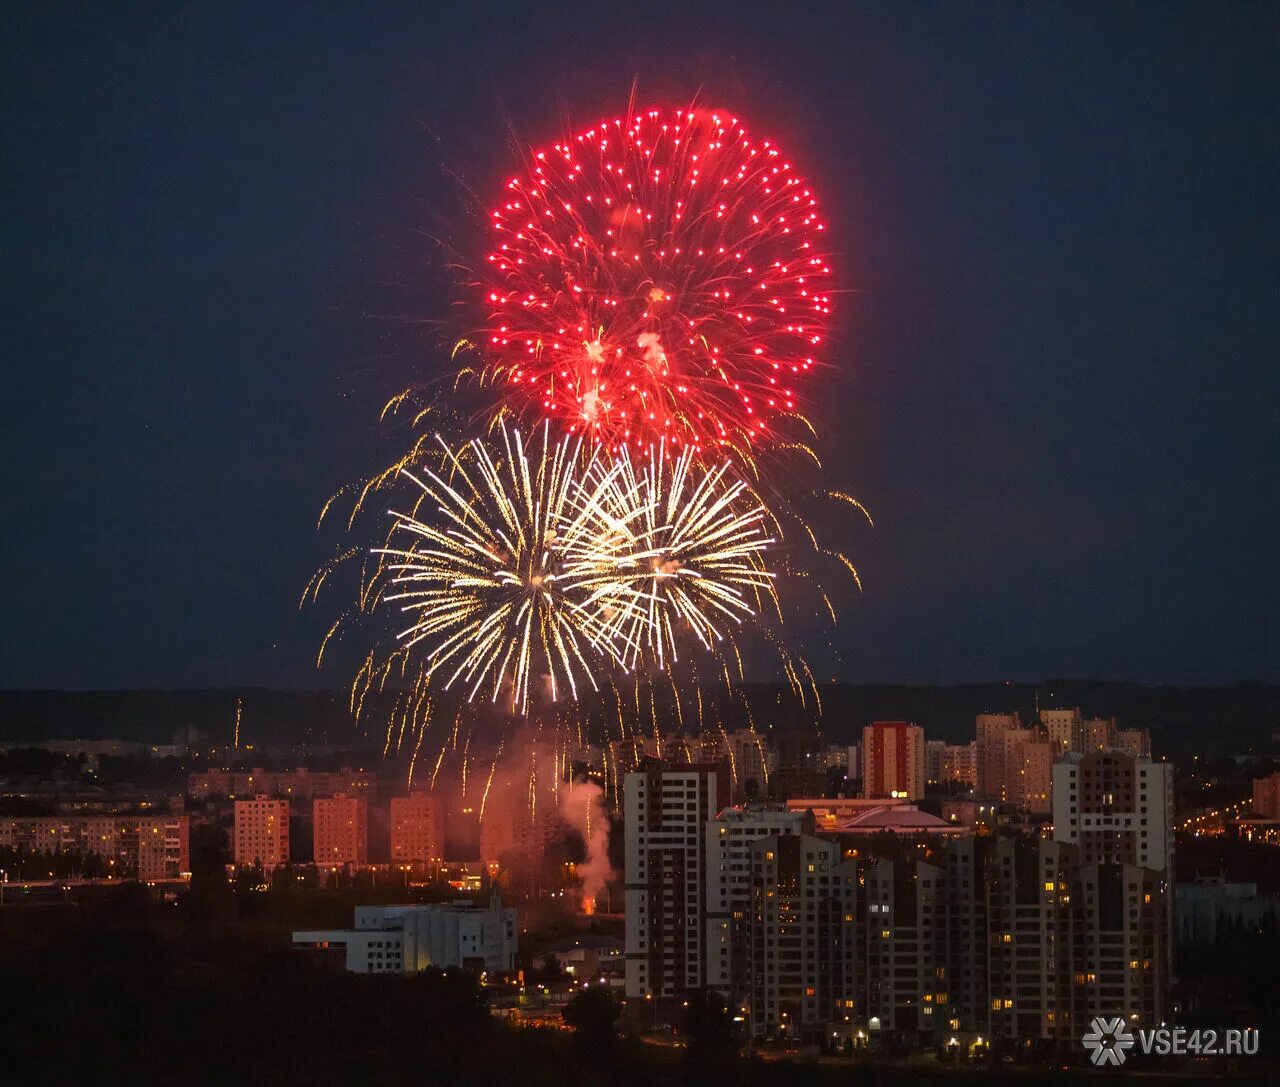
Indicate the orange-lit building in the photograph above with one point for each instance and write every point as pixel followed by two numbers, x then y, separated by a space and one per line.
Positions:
pixel 960 764
pixel 1266 796
pixel 417 829
pixel 341 828
pixel 146 847
pixel 163 848
pixel 1031 771
pixel 300 784
pixel 893 760
pixel 261 832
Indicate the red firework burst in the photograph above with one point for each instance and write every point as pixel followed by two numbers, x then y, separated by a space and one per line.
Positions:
pixel 658 276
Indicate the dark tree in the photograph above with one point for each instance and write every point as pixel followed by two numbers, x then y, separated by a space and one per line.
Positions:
pixel 710 1029
pixel 594 1013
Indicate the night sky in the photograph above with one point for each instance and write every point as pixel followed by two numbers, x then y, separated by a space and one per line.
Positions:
pixel 1057 364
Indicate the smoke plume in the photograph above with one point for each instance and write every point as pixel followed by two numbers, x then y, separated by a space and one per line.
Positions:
pixel 582 807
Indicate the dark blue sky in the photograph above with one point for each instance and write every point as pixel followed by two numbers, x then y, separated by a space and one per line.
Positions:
pixel 1058 382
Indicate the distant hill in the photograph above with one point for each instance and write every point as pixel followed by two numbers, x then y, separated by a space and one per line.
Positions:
pixel 1184 720
pixel 153 716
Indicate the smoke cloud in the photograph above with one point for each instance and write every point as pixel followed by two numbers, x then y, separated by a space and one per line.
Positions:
pixel 582 807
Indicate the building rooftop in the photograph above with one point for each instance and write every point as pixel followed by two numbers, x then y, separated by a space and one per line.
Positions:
pixel 895 818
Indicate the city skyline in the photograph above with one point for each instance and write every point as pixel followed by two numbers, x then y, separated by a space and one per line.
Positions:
pixel 590 545
pixel 896 899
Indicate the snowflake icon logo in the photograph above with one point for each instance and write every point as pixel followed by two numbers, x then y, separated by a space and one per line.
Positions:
pixel 1107 1041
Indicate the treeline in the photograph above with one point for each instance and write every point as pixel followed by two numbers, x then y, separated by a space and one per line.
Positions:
pixel 115 1004
pixel 20 863
pixel 1233 979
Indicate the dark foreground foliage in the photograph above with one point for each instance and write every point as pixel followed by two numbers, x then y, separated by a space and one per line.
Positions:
pixel 133 990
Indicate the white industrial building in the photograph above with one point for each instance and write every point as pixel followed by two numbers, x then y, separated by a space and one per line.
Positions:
pixel 407 939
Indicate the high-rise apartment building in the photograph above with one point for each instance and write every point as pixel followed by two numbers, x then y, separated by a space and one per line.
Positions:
pixel 417 830
pixel 1062 728
pixel 933 753
pixel 730 837
pixel 1098 734
pixel 1013 937
pixel 1072 941
pixel 960 999
pixel 144 847
pixel 1000 753
pixel 666 809
pixel 906 975
pixel 1121 961
pixel 261 836
pixel 1266 796
pixel 341 831
pixel 989 769
pixel 960 764
pixel 753 761
pixel 1028 898
pixel 802 954
pixel 798 769
pixel 893 760
pixel 1136 741
pixel 745 753
pixel 1015 766
pixel 1115 807
pixel 1031 776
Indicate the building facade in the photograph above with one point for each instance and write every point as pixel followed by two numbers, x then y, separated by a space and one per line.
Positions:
pixel 417 830
pixel 1031 771
pixel 1136 741
pixel 340 826
pixel 989 727
pixel 666 810
pixel 802 953
pixel 301 784
pixel 261 834
pixel 409 939
pixel 1266 796
pixel 730 837
pixel 933 753
pixel 1063 729
pixel 960 764
pixel 1115 807
pixel 143 847
pixel 904 947
pixel 893 760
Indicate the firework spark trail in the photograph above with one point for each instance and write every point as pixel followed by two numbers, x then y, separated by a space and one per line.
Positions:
pixel 526 558
pixel 513 576
pixel 657 277
pixel 694 546
pixel 493 769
